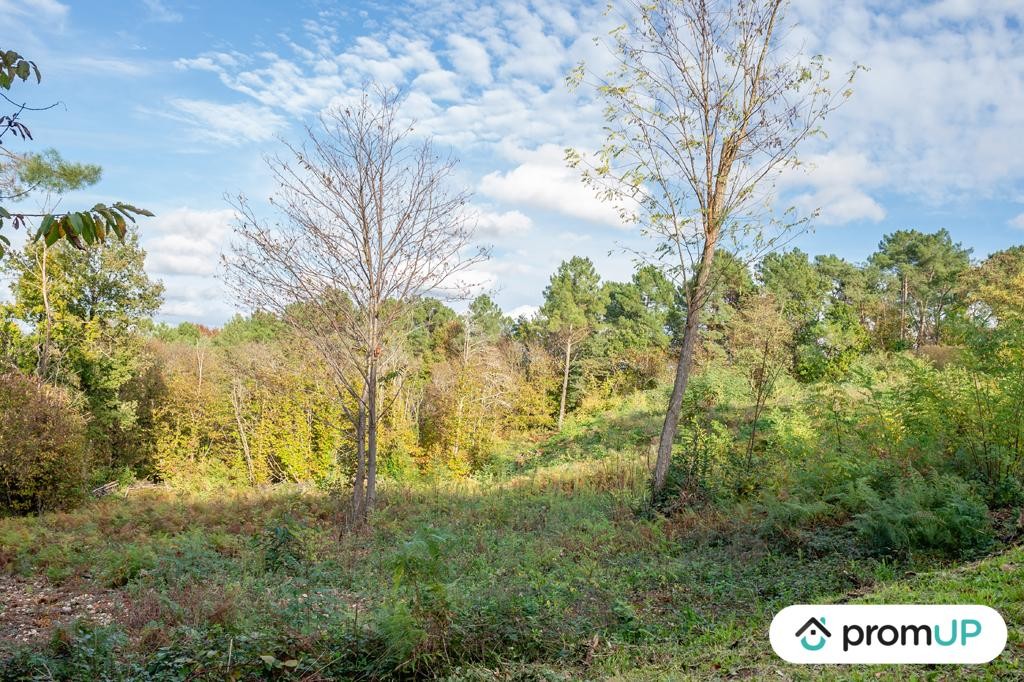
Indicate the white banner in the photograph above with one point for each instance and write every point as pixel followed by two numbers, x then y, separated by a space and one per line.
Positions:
pixel 888 634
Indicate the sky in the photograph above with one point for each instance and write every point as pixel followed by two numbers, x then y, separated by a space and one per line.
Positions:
pixel 180 101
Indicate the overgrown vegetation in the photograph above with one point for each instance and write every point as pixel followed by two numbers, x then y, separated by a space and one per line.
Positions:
pixel 357 480
pixel 548 574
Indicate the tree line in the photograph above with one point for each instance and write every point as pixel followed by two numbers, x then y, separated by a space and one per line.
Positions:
pixel 253 402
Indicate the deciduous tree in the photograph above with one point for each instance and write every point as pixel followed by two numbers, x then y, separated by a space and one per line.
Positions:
pixel 369 224
pixel 704 108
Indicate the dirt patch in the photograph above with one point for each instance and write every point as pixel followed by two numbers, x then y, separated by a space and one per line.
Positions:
pixel 31 608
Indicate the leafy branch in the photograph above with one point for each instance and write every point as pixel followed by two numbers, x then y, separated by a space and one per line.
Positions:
pixel 80 228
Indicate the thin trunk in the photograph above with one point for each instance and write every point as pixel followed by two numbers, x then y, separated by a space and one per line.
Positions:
pixel 461 388
pixel 921 321
pixel 44 285
pixel 236 404
pixel 760 397
pixel 358 485
pixel 903 309
pixel 565 379
pixel 458 423
pixel 684 366
pixel 371 440
pixel 938 320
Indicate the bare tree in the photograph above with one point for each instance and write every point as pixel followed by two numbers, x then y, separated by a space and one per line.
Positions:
pixel 703 111
pixel 368 224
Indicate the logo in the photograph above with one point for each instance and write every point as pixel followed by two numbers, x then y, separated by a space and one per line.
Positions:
pixel 815 626
pixel 888 634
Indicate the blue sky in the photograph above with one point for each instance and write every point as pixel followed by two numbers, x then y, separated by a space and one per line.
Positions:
pixel 179 101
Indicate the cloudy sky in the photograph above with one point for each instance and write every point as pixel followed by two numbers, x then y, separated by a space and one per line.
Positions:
pixel 180 100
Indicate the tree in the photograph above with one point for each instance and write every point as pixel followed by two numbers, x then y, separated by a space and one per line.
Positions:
pixel 573 304
pixel 369 225
pixel 485 319
pixel 728 285
pixel 45 461
pixel 828 345
pixel 996 286
pixel 926 269
pixel 80 228
pixel 858 286
pixel 481 324
pixel 796 283
pixel 50 174
pixel 703 111
pixel 83 321
pixel 759 337
pixel 637 314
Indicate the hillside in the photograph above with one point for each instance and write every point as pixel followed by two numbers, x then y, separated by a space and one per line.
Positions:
pixel 551 573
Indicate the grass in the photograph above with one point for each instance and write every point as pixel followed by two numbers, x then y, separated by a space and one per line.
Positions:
pixel 550 574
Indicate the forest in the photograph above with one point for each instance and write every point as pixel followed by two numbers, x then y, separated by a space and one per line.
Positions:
pixel 372 471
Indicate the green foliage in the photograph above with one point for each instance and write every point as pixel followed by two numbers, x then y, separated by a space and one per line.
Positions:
pixel 799 286
pixel 14 66
pixel 638 313
pixel 83 313
pixel 283 546
pixel 573 300
pixel 44 461
pixel 941 514
pixel 51 173
pixel 829 346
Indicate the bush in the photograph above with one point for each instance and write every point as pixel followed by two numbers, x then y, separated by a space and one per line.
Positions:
pixel 942 514
pixel 44 460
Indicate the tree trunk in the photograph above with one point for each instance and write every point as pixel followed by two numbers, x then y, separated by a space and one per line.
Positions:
pixel 236 403
pixel 358 485
pixel 684 366
pixel 922 318
pixel 44 287
pixel 675 402
pixel 760 398
pixel 371 440
pixel 565 379
pixel 903 309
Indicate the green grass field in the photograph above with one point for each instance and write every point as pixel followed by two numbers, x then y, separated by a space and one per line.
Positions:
pixel 555 572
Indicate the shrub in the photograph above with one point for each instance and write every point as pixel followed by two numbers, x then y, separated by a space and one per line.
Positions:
pixel 44 460
pixel 942 514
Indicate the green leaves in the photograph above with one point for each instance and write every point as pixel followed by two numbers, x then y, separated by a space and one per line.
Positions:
pixel 85 228
pixel 13 65
pixel 80 228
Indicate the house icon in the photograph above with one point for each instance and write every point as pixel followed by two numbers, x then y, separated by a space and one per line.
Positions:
pixel 817 629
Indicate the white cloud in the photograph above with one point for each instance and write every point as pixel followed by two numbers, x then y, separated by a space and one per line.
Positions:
pixel 502 224
pixel 438 84
pixel 837 184
pixel 939 108
pixel 186 241
pixel 544 181
pixel 936 119
pixel 24 22
pixel 196 300
pixel 1016 221
pixel 45 10
pixel 470 58
pixel 160 12
pixel 95 65
pixel 527 311
pixel 232 124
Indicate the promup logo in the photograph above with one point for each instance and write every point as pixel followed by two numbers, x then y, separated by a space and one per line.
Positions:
pixel 888 634
pixel 817 628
